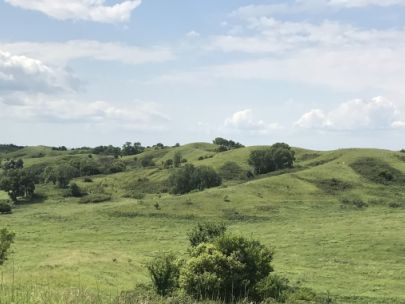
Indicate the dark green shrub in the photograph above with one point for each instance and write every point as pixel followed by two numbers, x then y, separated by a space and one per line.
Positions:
pixel 230 171
pixel 95 198
pixel 87 180
pixel 189 178
pixel 75 190
pixel 354 202
pixel 5 207
pixel 147 161
pixel 274 287
pixel 395 205
pixel 205 232
pixel 6 240
pixel 164 271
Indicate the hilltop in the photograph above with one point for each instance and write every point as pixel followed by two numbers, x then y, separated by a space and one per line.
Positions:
pixel 333 220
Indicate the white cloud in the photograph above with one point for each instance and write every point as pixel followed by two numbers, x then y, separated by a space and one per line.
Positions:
pixel 62 53
pixel 378 113
pixel 193 34
pixel 244 120
pixel 89 10
pixel 48 109
pixel 309 6
pixel 22 73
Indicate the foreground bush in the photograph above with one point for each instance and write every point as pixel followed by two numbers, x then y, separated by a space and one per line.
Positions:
pixel 164 271
pixel 227 269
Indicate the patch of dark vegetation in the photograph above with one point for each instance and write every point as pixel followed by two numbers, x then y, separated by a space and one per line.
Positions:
pixel 95 198
pixel 232 171
pixel 308 156
pixel 158 215
pixel 353 202
pixel 378 171
pixel 134 194
pixel 9 148
pixel 395 205
pixel 321 162
pixel 266 208
pixel 145 185
pixel 226 145
pixel 5 207
pixel 333 185
pixel 233 215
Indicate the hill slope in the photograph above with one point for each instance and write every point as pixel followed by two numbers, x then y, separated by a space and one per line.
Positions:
pixel 331 221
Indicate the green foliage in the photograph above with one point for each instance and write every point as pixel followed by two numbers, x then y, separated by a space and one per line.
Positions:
pixel 278 156
pixel 18 183
pixel 60 175
pixel 132 149
pixel 147 161
pixel 231 171
pixel 190 178
pixel 353 202
pixel 9 148
pixel 75 190
pixel 6 240
pixel 333 185
pixel 5 207
pixel 13 164
pixel 95 198
pixel 226 145
pixel 168 163
pixel 177 158
pixel 205 232
pixel 164 271
pixel 227 269
pixel 274 287
pixel 378 171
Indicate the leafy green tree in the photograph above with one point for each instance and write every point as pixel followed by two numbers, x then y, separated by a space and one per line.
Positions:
pixel 18 183
pixel 61 175
pixel 225 145
pixel 190 178
pixel 279 156
pixel 177 158
pixel 132 149
pixel 6 240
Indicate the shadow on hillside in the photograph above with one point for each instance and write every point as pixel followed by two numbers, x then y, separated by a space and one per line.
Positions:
pixel 37 198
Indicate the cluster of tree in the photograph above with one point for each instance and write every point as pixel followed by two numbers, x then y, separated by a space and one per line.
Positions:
pixel 226 145
pixel 278 156
pixel 107 150
pixel 61 148
pixel 62 174
pixel 132 149
pixel 17 181
pixel 220 266
pixel 9 148
pixel 174 162
pixel 13 164
pixel 189 178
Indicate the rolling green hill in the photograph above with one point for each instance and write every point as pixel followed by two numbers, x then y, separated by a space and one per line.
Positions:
pixel 335 221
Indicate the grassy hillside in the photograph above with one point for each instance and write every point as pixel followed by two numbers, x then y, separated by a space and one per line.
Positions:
pixel 335 221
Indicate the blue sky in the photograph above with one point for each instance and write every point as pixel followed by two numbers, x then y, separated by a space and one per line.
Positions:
pixel 319 74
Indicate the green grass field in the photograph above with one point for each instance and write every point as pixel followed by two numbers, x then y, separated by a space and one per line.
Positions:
pixel 320 238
